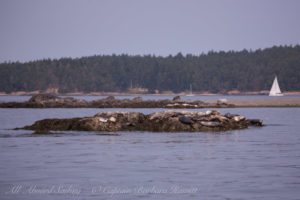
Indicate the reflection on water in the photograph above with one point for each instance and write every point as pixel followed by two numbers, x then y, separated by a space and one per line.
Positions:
pixel 256 163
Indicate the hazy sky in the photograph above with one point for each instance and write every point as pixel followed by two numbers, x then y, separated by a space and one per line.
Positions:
pixel 36 29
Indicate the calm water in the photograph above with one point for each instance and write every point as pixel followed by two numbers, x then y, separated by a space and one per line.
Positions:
pixel 257 163
pixel 153 97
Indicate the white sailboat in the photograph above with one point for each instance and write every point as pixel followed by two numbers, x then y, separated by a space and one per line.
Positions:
pixel 191 91
pixel 275 90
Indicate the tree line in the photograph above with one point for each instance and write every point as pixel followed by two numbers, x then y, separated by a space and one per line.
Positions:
pixel 211 72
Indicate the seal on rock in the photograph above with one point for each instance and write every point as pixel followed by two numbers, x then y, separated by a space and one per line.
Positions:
pixel 185 120
pixel 166 121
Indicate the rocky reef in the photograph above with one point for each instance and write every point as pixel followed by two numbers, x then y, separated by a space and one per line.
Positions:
pixel 52 101
pixel 167 121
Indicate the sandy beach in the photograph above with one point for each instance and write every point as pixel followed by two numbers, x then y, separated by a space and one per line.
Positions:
pixel 276 102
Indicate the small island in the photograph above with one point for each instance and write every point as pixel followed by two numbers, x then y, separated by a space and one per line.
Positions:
pixel 166 121
pixel 53 101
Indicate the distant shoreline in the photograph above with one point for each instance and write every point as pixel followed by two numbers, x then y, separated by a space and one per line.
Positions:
pixel 230 93
pixel 53 101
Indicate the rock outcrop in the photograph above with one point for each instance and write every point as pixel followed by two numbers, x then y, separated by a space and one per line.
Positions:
pixel 167 121
pixel 177 99
pixel 52 101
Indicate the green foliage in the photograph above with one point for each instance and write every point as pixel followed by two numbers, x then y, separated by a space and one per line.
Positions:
pixel 213 72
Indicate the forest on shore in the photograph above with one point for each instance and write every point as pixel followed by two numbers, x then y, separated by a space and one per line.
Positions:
pixel 214 72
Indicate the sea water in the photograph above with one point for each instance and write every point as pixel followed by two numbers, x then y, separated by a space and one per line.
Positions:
pixel 255 163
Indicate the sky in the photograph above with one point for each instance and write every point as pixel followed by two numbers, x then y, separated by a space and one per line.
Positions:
pixel 38 29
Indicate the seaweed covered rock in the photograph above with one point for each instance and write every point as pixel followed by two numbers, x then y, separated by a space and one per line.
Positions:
pixel 137 99
pixel 49 100
pixel 167 121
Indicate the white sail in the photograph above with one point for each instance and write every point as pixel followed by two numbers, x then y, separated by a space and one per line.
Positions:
pixel 275 90
pixel 191 91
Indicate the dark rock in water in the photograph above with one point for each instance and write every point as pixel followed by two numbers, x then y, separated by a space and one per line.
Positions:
pixel 177 98
pixel 167 121
pixel 256 122
pixel 52 101
pixel 39 98
pixel 185 120
pixel 110 98
pixel 137 99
